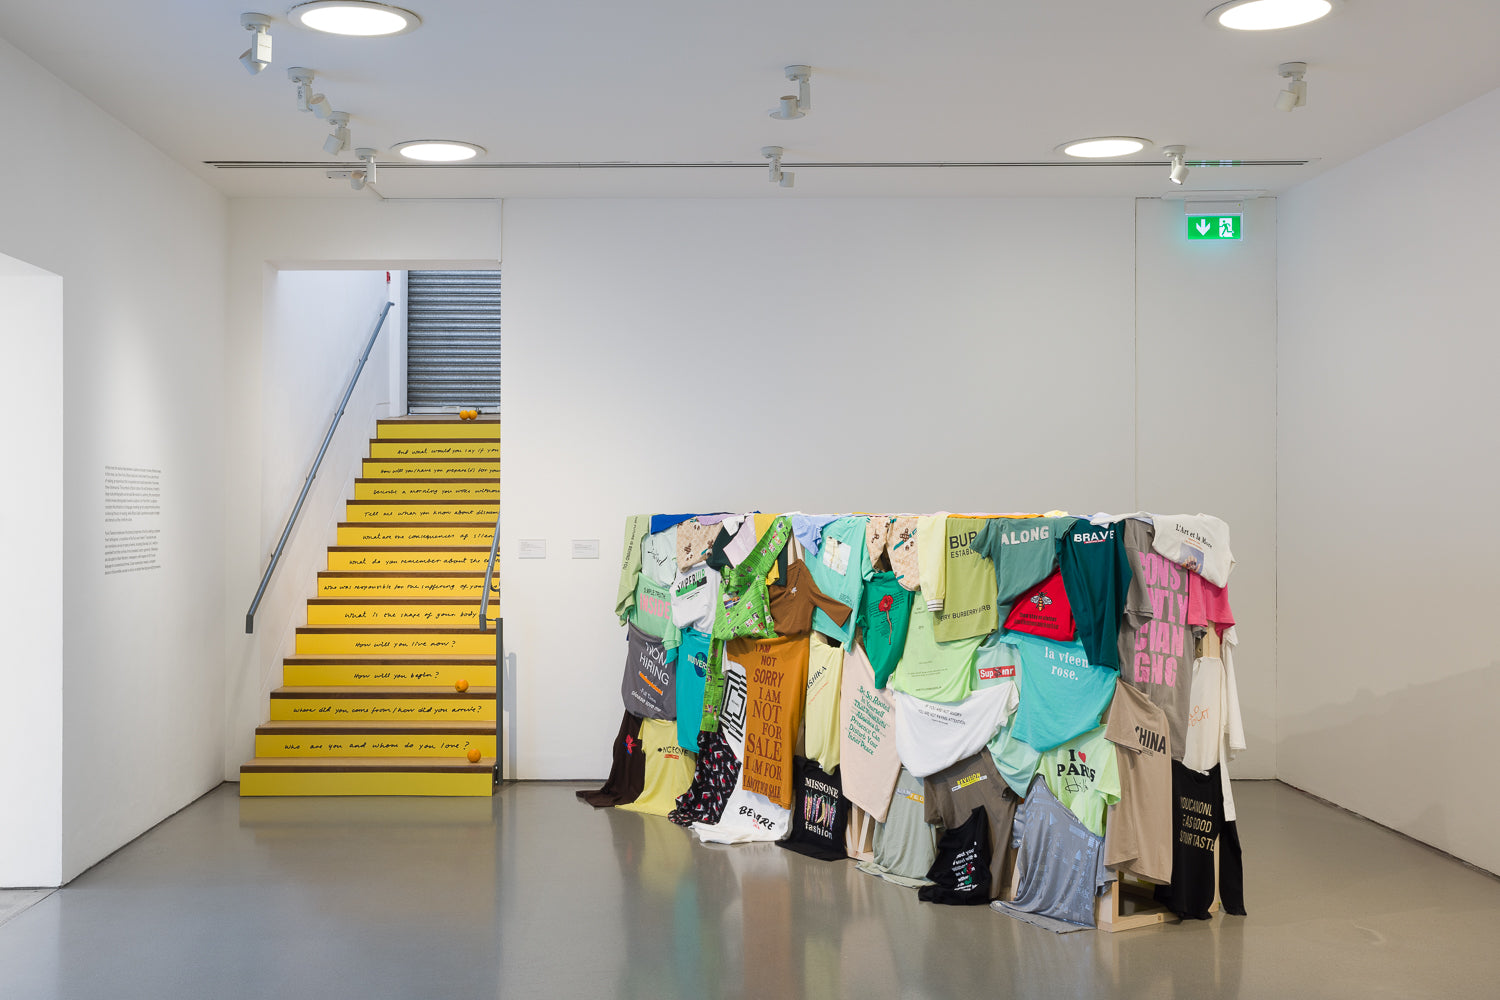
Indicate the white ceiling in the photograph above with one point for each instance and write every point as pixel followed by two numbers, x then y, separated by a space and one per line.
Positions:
pixel 691 81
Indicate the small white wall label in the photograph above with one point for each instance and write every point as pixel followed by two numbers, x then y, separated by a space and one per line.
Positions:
pixel 531 548
pixel 585 548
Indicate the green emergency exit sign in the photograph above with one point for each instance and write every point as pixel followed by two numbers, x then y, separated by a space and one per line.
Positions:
pixel 1213 227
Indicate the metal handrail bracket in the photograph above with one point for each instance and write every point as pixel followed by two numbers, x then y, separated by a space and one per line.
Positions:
pixel 313 472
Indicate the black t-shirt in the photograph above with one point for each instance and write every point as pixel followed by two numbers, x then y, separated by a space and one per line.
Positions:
pixel 1197 821
pixel 627 775
pixel 961 870
pixel 713 781
pixel 819 812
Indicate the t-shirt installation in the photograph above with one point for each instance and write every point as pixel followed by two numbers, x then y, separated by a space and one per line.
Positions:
pixel 1006 708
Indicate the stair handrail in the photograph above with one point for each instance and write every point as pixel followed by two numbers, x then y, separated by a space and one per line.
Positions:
pixel 312 473
pixel 484 622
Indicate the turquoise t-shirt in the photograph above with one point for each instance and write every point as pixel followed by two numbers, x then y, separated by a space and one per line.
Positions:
pixel 692 671
pixel 1062 695
pixel 839 569
pixel 1024 551
pixel 1016 761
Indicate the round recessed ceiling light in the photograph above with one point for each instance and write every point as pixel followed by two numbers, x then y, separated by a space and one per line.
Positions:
pixel 1268 15
pixel 354 17
pixel 1105 146
pixel 438 150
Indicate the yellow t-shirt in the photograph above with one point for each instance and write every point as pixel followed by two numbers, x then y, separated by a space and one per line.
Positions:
pixel 825 674
pixel 669 768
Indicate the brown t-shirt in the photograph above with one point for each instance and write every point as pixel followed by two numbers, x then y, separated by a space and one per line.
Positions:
pixel 627 774
pixel 775 686
pixel 1138 835
pixel 792 604
pixel 952 794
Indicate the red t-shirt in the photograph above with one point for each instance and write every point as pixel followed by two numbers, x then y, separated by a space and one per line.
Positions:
pixel 1043 610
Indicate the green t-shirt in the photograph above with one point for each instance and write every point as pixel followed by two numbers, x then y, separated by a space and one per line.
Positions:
pixel 1084 775
pixel 1024 553
pixel 652 613
pixel 884 617
pixel 932 670
pixel 969 604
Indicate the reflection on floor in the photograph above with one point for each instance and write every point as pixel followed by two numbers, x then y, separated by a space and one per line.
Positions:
pixel 532 894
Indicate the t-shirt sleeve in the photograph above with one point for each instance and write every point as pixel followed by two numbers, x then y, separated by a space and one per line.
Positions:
pixel 837 610
pixel 987 539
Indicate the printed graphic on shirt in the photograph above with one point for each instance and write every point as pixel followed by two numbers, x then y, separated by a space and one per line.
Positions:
pixel 820 806
pixel 1074 773
pixel 1195 823
pixel 732 715
pixel 835 555
pixel 997 673
pixel 1163 645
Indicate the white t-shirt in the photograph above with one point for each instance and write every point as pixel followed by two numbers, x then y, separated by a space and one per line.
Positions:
pixel 695 592
pixel 748 817
pixel 930 735
pixel 1199 542
pixel 659 556
pixel 1200 750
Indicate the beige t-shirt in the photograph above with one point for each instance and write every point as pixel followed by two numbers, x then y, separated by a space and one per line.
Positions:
pixel 867 751
pixel 1138 834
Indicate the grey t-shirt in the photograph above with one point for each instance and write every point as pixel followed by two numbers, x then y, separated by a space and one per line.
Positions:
pixel 648 687
pixel 1060 865
pixel 954 792
pixel 1157 645
pixel 905 844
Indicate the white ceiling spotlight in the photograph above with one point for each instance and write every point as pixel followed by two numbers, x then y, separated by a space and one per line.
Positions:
pixel 338 139
pixel 1178 155
pixel 798 105
pixel 361 176
pixel 1295 94
pixel 1267 15
pixel 367 155
pixel 438 150
pixel 1104 146
pixel 354 17
pixel 306 99
pixel 778 176
pixel 258 56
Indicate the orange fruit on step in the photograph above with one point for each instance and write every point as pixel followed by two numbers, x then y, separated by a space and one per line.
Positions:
pixel 460 685
pixel 474 756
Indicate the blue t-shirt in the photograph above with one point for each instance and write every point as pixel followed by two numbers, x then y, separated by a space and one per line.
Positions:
pixel 1062 695
pixel 692 671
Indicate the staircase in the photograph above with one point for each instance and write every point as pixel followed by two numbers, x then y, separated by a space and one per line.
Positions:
pixel 370 702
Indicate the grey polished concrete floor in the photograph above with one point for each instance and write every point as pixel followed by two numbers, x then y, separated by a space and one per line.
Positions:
pixel 532 894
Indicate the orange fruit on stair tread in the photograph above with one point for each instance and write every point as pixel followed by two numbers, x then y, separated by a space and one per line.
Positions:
pixel 474 756
pixel 460 686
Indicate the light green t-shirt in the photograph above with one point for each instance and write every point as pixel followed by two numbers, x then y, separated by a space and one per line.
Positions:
pixel 652 613
pixel 969 605
pixel 1084 775
pixel 932 670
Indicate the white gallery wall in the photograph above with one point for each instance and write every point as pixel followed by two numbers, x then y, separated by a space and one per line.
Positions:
pixel 141 253
pixel 863 355
pixel 1387 473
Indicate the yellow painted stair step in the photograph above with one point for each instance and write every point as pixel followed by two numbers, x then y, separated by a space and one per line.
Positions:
pixel 377 559
pixel 376 671
pixel 387 511
pixel 435 535
pixel 426 489
pixel 366 776
pixel 430 448
pixel 424 612
pixel 400 468
pixel 335 640
pixel 359 739
pixel 365 704
pixel 443 428
pixel 349 584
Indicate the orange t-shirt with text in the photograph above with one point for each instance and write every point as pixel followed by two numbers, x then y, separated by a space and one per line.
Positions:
pixel 776 684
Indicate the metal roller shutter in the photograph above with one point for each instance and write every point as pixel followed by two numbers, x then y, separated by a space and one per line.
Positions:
pixel 452 339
